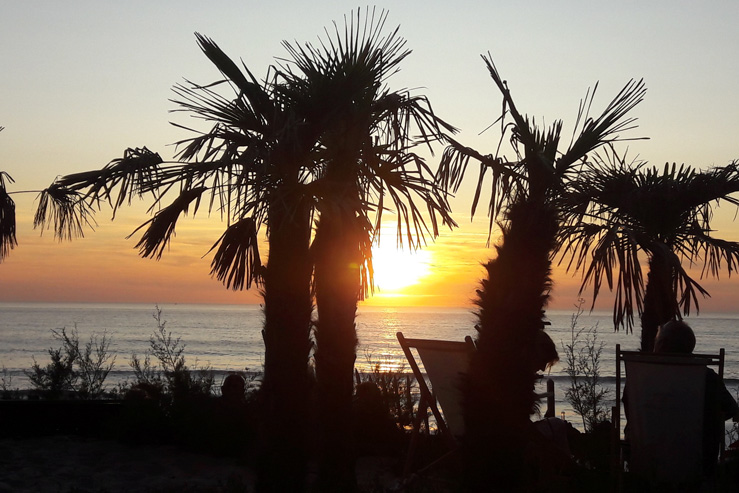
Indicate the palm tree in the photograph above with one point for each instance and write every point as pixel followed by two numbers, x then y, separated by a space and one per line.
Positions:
pixel 498 393
pixel 252 167
pixel 366 166
pixel 620 211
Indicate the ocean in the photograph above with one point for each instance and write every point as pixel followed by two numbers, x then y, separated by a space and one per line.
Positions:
pixel 228 337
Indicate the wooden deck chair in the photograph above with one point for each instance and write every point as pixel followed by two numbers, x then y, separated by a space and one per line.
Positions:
pixel 444 362
pixel 665 415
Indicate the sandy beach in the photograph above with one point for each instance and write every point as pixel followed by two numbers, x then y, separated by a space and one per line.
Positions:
pixel 69 463
pixel 63 464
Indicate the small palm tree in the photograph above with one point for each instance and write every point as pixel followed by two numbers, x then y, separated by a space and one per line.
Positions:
pixel 498 394
pixel 366 165
pixel 620 211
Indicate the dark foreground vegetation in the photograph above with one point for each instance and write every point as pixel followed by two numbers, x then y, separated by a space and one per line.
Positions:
pixel 169 403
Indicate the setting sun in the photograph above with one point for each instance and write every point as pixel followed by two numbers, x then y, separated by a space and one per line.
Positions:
pixel 396 269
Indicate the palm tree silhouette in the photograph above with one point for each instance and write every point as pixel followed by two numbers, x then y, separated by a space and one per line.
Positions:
pixel 498 394
pixel 320 134
pixel 619 211
pixel 366 166
pixel 252 167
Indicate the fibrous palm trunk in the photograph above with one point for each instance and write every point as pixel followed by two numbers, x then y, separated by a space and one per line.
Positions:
pixel 287 313
pixel 499 392
pixel 337 258
pixel 660 303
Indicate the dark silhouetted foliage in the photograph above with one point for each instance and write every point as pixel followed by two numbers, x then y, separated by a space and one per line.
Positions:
pixel 528 191
pixel 618 211
pixel 79 372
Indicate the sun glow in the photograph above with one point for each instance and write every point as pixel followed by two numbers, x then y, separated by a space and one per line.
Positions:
pixel 396 269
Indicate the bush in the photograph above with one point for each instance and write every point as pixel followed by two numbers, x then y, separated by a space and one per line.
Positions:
pixel 6 385
pixel 582 359
pixel 395 387
pixel 93 365
pixel 72 370
pixel 172 377
pixel 176 400
pixel 383 408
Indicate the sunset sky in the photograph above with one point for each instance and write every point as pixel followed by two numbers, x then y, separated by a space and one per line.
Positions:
pixel 83 80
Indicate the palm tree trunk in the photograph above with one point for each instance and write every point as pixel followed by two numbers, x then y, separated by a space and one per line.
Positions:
pixel 337 286
pixel 287 313
pixel 499 391
pixel 660 302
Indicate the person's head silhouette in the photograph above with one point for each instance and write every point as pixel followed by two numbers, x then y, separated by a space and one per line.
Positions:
pixel 674 336
pixel 233 387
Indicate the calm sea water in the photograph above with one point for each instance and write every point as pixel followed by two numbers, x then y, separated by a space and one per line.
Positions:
pixel 228 337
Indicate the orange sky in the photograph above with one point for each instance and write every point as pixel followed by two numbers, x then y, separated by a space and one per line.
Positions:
pixel 105 267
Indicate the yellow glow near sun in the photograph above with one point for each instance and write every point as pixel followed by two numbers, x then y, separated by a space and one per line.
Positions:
pixel 396 269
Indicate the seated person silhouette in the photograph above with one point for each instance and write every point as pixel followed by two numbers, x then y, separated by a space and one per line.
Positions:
pixel 231 430
pixel 678 338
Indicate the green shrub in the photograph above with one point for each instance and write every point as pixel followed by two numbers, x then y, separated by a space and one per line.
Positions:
pixel 582 360
pixel 172 376
pixel 73 370
pixel 93 365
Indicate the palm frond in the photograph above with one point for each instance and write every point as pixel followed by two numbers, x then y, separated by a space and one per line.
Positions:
pixel 65 211
pixel 132 175
pixel 604 129
pixel 223 62
pixel 614 249
pixel 684 287
pixel 406 183
pixel 521 125
pixel 7 217
pixel 161 228
pixel 236 262
pixel 249 88
pixel 361 48
pixel 716 253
